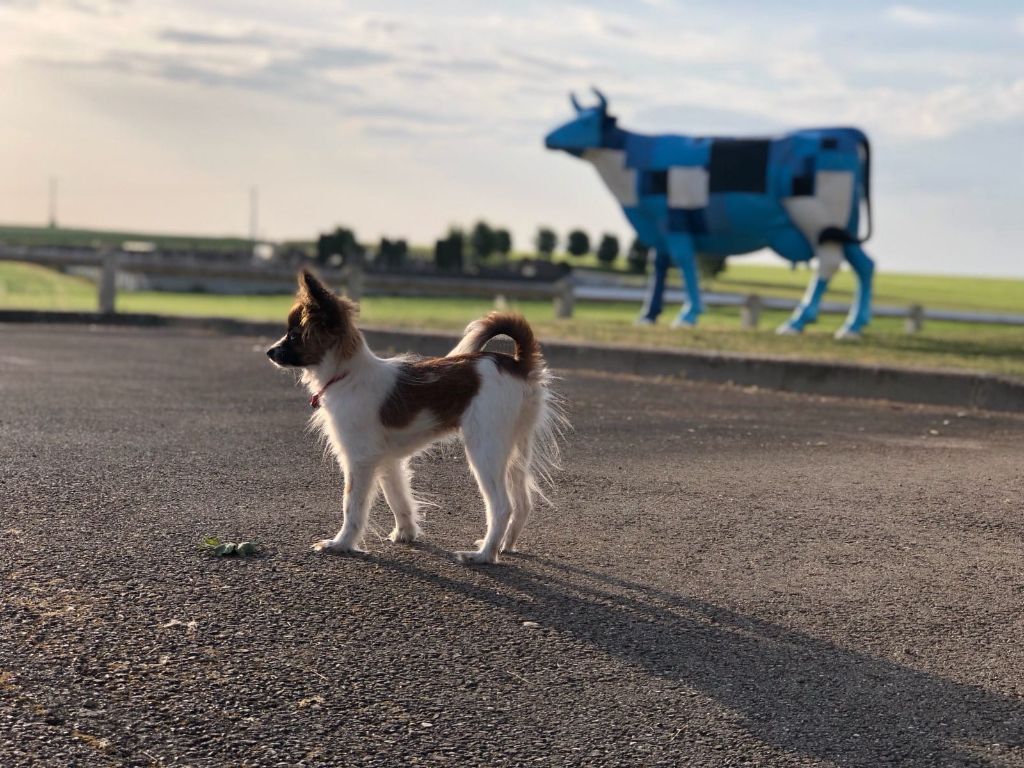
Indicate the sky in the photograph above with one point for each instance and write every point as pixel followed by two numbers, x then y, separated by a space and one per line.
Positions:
pixel 399 121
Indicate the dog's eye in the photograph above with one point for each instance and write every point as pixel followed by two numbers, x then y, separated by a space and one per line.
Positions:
pixel 293 334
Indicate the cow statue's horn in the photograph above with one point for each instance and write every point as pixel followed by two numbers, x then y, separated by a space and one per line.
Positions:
pixel 575 103
pixel 601 99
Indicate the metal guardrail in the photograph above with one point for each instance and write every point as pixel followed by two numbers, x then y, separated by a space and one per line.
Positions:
pixel 564 292
pixel 915 315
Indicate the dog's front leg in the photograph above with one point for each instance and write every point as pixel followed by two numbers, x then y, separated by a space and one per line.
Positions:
pixel 394 481
pixel 360 485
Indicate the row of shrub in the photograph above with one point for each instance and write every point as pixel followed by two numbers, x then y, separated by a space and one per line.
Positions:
pixel 481 246
pixel 478 245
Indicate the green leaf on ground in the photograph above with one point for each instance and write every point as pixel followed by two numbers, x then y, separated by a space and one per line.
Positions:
pixel 215 546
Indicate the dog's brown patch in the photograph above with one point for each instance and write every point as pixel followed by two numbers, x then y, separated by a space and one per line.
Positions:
pixel 320 321
pixel 528 356
pixel 442 385
pixel 506 363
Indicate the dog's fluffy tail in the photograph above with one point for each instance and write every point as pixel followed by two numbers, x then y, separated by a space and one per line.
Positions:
pixel 529 363
pixel 535 454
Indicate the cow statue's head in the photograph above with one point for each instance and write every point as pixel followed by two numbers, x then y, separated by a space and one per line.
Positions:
pixel 590 129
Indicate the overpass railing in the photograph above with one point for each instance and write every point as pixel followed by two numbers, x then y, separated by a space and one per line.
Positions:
pixel 354 280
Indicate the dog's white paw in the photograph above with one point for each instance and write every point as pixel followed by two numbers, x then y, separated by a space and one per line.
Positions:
pixel 476 557
pixel 338 547
pixel 405 535
pixel 505 548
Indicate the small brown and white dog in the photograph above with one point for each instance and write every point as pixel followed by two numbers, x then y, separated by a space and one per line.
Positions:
pixel 376 413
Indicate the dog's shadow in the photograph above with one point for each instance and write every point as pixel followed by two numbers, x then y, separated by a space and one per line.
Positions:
pixel 796 692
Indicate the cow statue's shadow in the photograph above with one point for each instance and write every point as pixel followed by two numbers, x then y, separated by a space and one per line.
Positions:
pixel 795 692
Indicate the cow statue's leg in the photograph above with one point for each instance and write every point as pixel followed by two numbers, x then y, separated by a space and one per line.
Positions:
pixel 860 310
pixel 680 248
pixel 654 301
pixel 830 207
pixel 829 258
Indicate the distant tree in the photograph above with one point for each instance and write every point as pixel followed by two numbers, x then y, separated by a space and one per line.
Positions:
pixel 482 240
pixel 392 254
pixel 608 249
pixel 710 266
pixel 337 247
pixel 637 256
pixel 578 243
pixel 401 248
pixel 503 242
pixel 449 251
pixel 546 241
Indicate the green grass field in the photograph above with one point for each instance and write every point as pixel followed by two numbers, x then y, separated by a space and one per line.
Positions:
pixel 990 348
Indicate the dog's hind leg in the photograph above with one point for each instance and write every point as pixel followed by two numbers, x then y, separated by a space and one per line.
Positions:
pixel 488 454
pixel 534 438
pixel 360 489
pixel 394 482
pixel 520 486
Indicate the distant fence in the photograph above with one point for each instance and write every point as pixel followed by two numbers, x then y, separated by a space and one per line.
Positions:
pixel 563 292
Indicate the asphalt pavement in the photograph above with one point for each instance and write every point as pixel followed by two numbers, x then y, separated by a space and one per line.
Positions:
pixel 728 576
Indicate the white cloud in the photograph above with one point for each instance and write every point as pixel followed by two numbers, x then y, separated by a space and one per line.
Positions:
pixel 911 16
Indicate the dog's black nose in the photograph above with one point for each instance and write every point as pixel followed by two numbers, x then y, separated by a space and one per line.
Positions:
pixel 270 353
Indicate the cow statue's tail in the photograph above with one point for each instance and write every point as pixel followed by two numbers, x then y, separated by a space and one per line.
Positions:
pixel 862 139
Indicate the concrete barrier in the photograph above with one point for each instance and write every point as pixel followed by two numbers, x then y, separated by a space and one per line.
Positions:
pixel 935 387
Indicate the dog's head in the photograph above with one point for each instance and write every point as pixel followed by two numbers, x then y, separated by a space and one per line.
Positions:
pixel 319 323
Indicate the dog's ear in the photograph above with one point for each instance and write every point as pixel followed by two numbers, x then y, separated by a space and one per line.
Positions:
pixel 316 298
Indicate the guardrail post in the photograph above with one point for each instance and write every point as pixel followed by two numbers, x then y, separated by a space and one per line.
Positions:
pixel 750 312
pixel 108 281
pixel 354 281
pixel 915 319
pixel 565 298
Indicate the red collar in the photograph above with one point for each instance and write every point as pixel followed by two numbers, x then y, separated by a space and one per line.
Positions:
pixel 314 401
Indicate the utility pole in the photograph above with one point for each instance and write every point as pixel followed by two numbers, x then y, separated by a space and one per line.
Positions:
pixel 254 211
pixel 53 202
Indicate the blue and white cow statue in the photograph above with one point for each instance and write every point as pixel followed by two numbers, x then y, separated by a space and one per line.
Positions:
pixel 799 194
